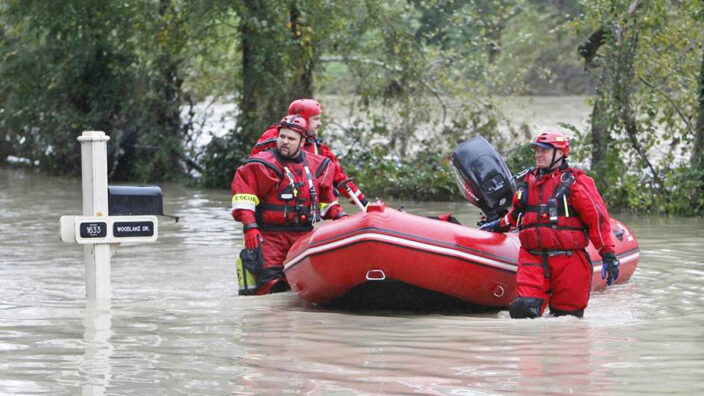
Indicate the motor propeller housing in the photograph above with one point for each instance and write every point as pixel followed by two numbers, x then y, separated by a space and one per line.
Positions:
pixel 483 177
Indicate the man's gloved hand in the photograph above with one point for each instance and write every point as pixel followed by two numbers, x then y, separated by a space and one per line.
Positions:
pixel 363 201
pixel 252 238
pixel 493 226
pixel 609 267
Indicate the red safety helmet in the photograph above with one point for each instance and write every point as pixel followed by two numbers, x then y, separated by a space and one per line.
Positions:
pixel 295 123
pixel 305 107
pixel 552 140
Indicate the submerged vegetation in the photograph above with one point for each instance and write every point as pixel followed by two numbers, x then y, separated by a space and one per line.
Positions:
pixel 420 76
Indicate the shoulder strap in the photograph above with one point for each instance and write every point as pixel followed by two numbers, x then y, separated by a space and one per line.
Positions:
pixel 311 188
pixel 324 164
pixel 265 143
pixel 522 174
pixel 267 164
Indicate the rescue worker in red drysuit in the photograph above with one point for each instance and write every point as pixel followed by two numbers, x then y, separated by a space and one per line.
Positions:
pixel 312 111
pixel 557 211
pixel 278 194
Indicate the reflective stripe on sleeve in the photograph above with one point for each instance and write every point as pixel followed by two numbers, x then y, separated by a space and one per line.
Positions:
pixel 324 207
pixel 245 201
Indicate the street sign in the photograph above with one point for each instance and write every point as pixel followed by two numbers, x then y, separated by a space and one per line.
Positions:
pixel 124 229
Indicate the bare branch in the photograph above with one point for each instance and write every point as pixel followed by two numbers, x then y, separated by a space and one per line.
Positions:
pixel 439 98
pixel 360 60
pixel 686 120
pixel 388 67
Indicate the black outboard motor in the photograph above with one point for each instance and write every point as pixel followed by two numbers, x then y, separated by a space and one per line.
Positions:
pixel 483 177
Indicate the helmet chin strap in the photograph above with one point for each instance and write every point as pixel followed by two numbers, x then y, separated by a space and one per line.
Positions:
pixel 553 162
pixel 298 151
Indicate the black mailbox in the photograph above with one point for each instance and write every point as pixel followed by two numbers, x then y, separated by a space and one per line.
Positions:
pixel 131 200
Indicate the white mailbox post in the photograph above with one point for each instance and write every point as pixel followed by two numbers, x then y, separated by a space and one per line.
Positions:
pixel 99 233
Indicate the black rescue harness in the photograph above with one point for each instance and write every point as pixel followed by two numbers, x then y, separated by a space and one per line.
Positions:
pixel 298 217
pixel 553 210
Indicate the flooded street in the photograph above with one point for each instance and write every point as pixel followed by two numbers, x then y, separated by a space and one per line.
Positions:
pixel 177 326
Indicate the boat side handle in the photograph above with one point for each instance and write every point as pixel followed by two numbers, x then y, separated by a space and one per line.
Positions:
pixel 375 275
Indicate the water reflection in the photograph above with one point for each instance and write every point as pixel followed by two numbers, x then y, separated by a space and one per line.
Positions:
pixel 96 368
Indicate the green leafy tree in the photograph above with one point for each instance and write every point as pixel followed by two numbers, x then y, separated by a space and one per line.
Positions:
pixel 58 53
pixel 645 59
pixel 698 149
pixel 642 125
pixel 71 66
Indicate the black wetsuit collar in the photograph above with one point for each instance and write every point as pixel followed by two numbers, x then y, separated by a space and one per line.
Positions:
pixel 313 139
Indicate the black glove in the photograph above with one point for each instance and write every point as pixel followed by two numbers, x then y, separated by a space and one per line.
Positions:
pixel 340 215
pixel 445 217
pixel 493 226
pixel 609 267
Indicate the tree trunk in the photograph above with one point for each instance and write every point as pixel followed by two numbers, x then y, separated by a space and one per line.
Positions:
pixel 493 45
pixel 627 40
pixel 600 115
pixel 248 100
pixel 170 98
pixel 599 130
pixel 270 69
pixel 302 84
pixel 250 123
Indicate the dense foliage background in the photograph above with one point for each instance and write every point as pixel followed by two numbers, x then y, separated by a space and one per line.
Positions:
pixel 412 77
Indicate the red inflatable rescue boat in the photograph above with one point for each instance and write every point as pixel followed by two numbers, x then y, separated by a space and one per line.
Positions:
pixel 385 254
pixel 387 258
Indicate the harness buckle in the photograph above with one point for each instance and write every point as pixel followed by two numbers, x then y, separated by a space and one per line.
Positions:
pixel 552 211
